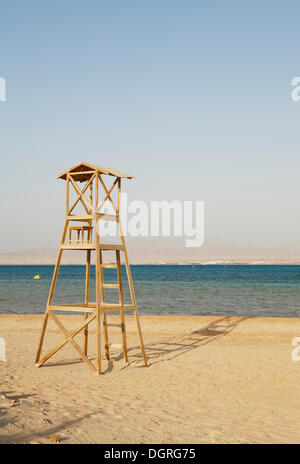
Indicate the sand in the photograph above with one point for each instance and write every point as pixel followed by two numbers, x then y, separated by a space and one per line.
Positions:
pixel 209 380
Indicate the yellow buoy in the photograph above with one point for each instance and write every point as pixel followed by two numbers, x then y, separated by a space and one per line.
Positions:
pixel 36 276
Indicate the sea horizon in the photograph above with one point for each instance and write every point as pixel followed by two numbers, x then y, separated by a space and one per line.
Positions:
pixel 213 263
pixel 163 289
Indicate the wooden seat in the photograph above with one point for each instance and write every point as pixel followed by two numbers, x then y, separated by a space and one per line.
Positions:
pixel 80 232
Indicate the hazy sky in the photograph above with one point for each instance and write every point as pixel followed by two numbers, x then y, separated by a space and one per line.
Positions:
pixel 193 98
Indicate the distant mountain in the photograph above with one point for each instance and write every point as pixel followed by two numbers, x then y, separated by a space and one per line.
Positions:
pixel 168 250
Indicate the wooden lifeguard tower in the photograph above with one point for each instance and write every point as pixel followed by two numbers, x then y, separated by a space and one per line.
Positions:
pixel 87 237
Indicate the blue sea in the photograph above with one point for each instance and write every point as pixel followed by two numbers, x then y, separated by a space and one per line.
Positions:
pixel 233 290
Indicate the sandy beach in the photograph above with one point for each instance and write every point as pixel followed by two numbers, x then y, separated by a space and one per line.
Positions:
pixel 209 380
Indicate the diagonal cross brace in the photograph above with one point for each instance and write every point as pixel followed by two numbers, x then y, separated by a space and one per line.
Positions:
pixel 68 338
pixel 81 195
pixel 108 192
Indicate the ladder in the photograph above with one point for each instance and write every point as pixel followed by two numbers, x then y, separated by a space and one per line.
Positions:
pixel 118 287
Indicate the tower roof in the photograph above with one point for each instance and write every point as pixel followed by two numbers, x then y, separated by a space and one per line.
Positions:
pixel 82 176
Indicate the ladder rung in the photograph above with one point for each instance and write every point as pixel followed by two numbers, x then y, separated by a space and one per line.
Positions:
pixel 78 246
pixel 112 325
pixel 105 246
pixel 110 285
pixel 86 217
pixel 108 266
pixel 115 307
pixel 108 217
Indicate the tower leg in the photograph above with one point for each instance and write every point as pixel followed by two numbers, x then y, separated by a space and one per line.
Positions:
pixel 87 292
pixel 131 289
pixel 104 318
pixel 98 310
pixel 98 336
pixel 140 336
pixel 38 353
pixel 123 328
pixel 105 334
pixel 124 342
pixel 53 283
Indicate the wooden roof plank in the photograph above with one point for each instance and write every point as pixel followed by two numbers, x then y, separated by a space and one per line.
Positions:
pixel 84 171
